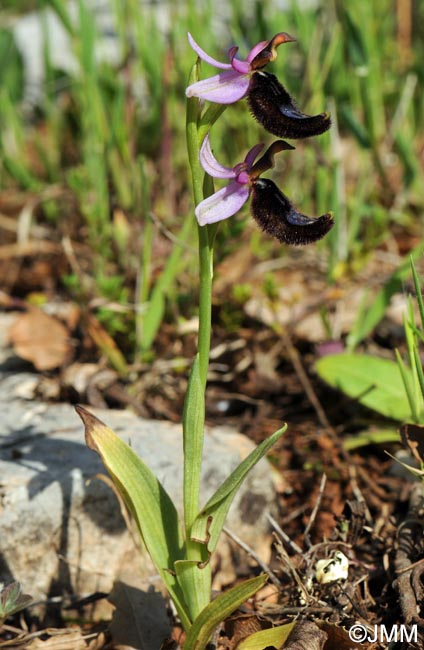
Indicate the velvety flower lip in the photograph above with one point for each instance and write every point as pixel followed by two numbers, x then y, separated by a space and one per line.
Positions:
pixel 272 106
pixel 271 209
pixel 233 84
pixel 276 215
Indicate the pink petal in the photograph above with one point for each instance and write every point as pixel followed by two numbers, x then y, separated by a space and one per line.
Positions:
pixel 224 88
pixel 210 163
pixel 222 204
pixel 242 67
pixel 256 49
pixel 205 57
pixel 252 154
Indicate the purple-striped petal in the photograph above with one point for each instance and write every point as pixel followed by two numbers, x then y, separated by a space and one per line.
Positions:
pixel 205 57
pixel 224 88
pixel 210 163
pixel 222 204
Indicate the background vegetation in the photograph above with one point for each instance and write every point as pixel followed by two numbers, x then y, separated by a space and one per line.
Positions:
pixel 99 161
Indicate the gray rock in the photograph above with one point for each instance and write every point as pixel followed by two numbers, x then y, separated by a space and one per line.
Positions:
pixel 61 528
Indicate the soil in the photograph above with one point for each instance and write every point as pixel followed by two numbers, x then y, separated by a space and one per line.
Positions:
pixel 332 501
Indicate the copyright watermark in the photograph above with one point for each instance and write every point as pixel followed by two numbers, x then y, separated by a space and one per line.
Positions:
pixel 383 633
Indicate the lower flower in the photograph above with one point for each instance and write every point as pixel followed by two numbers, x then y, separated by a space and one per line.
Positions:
pixel 270 208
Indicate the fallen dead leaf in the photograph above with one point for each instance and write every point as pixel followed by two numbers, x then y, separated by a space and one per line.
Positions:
pixel 41 339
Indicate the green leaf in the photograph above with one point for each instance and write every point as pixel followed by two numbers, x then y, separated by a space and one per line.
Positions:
pixel 374 382
pixel 371 437
pixel 275 636
pixel 151 319
pixel 195 581
pixel 202 629
pixel 408 382
pixel 193 435
pixel 148 501
pixel 209 523
pixel 419 295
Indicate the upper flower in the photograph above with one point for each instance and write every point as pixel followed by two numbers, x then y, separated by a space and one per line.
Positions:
pixel 233 84
pixel 271 209
pixel 268 100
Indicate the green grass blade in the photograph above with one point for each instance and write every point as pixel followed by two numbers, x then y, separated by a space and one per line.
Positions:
pixel 146 498
pixel 407 380
pixel 419 370
pixel 60 9
pixel 149 321
pixel 418 292
pixel 209 523
pixel 218 610
pixel 413 356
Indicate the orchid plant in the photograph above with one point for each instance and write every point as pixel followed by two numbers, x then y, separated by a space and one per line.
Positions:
pixel 180 547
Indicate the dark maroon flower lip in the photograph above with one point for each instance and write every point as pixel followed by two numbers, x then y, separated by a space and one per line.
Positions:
pixel 270 208
pixel 278 217
pixel 276 111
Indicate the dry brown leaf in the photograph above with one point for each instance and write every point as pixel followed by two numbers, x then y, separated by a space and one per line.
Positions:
pixel 41 339
pixel 339 639
pixel 140 619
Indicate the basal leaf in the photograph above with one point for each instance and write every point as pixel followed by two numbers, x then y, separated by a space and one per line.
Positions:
pixel 193 425
pixel 374 382
pixel 275 637
pixel 195 579
pixel 146 498
pixel 218 610
pixel 208 525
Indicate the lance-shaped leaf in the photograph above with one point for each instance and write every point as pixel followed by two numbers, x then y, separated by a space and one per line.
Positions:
pixel 209 523
pixel 149 503
pixel 223 605
pixel 193 437
pixel 273 107
pixel 278 217
pixel 194 582
pixel 273 637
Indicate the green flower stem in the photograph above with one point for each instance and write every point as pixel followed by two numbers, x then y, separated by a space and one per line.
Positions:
pixel 195 576
pixel 197 127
